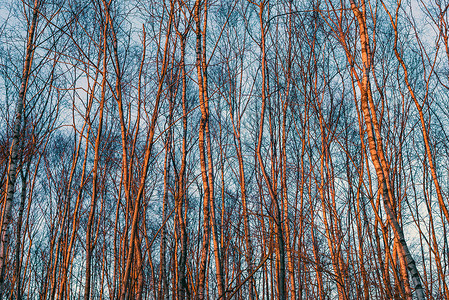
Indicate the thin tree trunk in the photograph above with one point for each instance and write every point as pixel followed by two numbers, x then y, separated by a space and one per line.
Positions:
pixel 272 186
pixel 376 150
pixel 24 176
pixel 14 152
pixel 89 246
pixel 148 150
pixel 182 287
pixel 206 165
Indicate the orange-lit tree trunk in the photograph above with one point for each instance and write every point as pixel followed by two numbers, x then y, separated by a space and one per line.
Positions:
pixel 89 246
pixel 206 150
pixel 270 182
pixel 182 289
pixel 376 147
pixel 136 204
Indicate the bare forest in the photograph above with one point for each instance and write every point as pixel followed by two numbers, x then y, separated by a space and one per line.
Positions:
pixel 224 149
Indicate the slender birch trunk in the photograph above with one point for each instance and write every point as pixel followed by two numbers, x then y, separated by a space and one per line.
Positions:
pixel 182 287
pixel 376 149
pixel 89 246
pixel 148 150
pixel 206 158
pixel 14 150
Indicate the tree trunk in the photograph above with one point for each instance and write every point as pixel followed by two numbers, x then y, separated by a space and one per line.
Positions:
pixel 15 151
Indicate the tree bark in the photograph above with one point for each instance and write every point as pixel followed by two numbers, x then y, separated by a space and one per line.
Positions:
pixel 376 150
pixel 15 149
